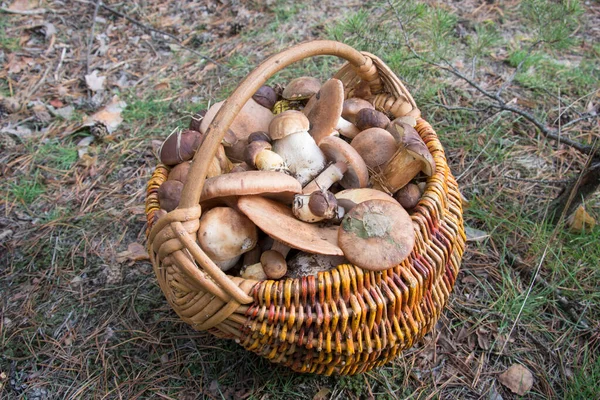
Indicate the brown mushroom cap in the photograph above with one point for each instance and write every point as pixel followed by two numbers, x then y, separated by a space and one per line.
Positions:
pixel 277 221
pixel 376 235
pixel 265 96
pixel 270 183
pixel 274 264
pixel 180 146
pixel 327 110
pixel 225 233
pixel 180 172
pixel 287 123
pixel 371 118
pixel 376 146
pixel 352 106
pixel 301 88
pixel 408 196
pixel 251 118
pixel 169 194
pixel 336 149
pixel 197 120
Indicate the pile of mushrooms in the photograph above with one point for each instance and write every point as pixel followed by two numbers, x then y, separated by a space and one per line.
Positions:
pixel 303 180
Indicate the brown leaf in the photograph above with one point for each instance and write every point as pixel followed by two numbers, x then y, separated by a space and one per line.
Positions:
pixel 134 252
pixel 322 394
pixel 108 116
pixel 581 221
pixel 517 378
pixel 22 5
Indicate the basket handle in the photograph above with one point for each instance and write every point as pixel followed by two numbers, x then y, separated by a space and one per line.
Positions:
pixel 365 69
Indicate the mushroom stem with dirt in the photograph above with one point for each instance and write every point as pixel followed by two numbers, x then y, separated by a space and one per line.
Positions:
pixel 259 155
pixel 293 143
pixel 330 175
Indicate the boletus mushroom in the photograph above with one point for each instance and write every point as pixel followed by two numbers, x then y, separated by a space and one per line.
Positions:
pixel 376 235
pixel 180 146
pixel 301 88
pixel 225 234
pixel 293 143
pixel 412 157
pixel 169 194
pixel 317 206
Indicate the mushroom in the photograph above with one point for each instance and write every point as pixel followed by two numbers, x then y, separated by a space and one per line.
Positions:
pixel 277 221
pixel 411 158
pixel 254 271
pixel 240 167
pixel 371 118
pixel 317 206
pixel 274 264
pixel 352 106
pixel 330 175
pixel 225 234
pixel 376 146
pixel 305 264
pixel 408 196
pixel 180 172
pixel 376 235
pixel 293 143
pixel 336 149
pixel 180 146
pixel 259 155
pixel 301 88
pixel 327 109
pixel 251 118
pixel 169 194
pixel 267 183
pixel 265 96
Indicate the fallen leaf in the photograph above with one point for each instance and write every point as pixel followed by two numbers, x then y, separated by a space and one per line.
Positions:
pixel 581 221
pixel 83 145
pixel 322 394
pixel 134 252
pixel 22 5
pixel 64 112
pixel 50 30
pixel 475 235
pixel 56 103
pixel 108 116
pixel 517 378
pixel 95 82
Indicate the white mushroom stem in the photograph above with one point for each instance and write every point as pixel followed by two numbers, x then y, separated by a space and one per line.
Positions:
pixel 268 160
pixel 302 155
pixel 330 175
pixel 281 248
pixel 347 128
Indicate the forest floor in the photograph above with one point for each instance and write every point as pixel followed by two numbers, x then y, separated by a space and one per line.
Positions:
pixel 81 315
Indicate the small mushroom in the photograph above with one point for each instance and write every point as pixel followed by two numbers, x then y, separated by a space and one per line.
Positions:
pixel 346 129
pixel 259 155
pixel 293 143
pixel 370 118
pixel 265 96
pixel 274 264
pixel 254 272
pixel 277 221
pixel 376 235
pixel 411 158
pixel 225 234
pixel 336 149
pixel 169 194
pixel 352 106
pixel 408 196
pixel 305 264
pixel 251 118
pixel 327 109
pixel 180 146
pixel 376 146
pixel 301 88
pixel 317 206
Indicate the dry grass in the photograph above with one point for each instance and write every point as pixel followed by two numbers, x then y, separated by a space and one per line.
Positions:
pixel 79 322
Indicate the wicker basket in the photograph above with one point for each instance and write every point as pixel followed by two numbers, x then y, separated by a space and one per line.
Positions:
pixel 344 321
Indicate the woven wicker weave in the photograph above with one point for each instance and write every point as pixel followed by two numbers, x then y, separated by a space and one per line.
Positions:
pixel 344 321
